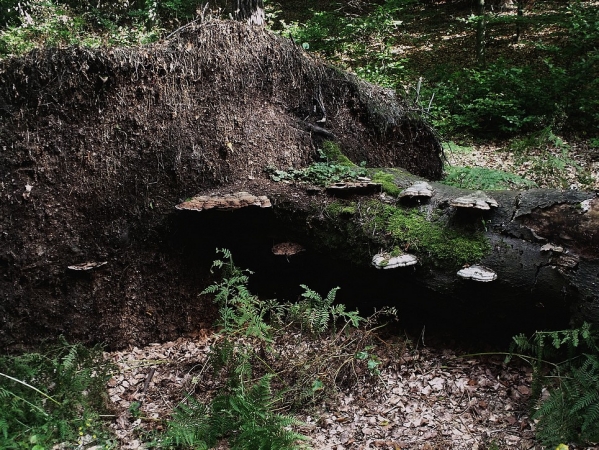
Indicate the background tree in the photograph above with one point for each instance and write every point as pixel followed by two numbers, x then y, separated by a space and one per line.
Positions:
pixel 251 11
pixel 481 33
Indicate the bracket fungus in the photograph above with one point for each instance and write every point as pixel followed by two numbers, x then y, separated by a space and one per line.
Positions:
pixel 417 190
pixel 386 261
pixel 227 202
pixel 287 249
pixel 476 200
pixel 353 187
pixel 83 267
pixel 552 248
pixel 477 273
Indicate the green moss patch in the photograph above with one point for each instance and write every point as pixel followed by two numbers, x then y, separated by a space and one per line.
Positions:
pixel 332 153
pixel 387 181
pixel 411 231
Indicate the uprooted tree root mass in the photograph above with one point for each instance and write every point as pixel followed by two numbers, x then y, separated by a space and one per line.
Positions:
pixel 98 145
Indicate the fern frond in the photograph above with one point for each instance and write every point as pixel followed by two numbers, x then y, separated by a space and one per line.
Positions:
pixel 68 361
pixel 331 296
pixel 4 428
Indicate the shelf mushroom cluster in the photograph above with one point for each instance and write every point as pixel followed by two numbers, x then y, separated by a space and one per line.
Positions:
pixel 475 200
pixel 225 202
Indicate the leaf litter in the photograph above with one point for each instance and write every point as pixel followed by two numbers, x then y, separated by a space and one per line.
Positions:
pixel 418 398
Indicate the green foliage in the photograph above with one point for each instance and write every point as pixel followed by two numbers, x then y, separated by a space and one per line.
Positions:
pixel 559 88
pixel 244 416
pixel 53 397
pixel 373 361
pixel 481 178
pixel 245 410
pixel 501 98
pixel 56 23
pixel 335 167
pixel 571 411
pixel 239 310
pixel 365 40
pixel 318 314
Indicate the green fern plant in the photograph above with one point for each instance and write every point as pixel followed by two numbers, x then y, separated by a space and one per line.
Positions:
pixel 317 313
pixel 239 310
pixel 243 411
pixel 245 417
pixel 571 411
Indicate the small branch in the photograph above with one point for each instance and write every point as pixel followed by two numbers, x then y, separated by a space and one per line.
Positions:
pixel 147 383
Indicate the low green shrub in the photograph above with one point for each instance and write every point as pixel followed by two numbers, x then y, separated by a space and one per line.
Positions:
pixel 333 167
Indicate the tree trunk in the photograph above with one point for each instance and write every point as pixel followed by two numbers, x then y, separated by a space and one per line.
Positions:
pixel 251 11
pixel 519 19
pixel 481 33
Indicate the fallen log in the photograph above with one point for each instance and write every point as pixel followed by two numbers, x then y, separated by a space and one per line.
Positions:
pixel 542 246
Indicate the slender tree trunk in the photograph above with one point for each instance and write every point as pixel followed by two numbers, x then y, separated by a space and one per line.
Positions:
pixel 251 11
pixel 519 20
pixel 481 33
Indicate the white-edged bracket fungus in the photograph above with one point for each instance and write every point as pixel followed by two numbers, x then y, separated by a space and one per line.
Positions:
pixel 477 273
pixel 552 248
pixel 87 266
pixel 226 202
pixel 476 200
pixel 386 261
pixel 418 190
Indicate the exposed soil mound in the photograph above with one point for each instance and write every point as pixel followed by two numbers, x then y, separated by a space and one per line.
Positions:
pixel 98 146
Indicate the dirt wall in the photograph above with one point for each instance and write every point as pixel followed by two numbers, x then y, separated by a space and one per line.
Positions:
pixel 97 146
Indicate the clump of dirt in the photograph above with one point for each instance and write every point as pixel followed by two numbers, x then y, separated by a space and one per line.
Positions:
pixel 98 146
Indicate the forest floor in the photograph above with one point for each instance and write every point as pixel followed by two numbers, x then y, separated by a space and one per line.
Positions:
pixel 546 166
pixel 425 397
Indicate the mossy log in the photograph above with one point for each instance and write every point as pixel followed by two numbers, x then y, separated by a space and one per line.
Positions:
pixel 542 245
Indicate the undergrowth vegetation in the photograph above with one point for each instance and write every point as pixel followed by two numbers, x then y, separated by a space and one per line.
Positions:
pixel 333 166
pixel 565 383
pixel 251 408
pixel 54 396
pixel 481 178
pixel 554 84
